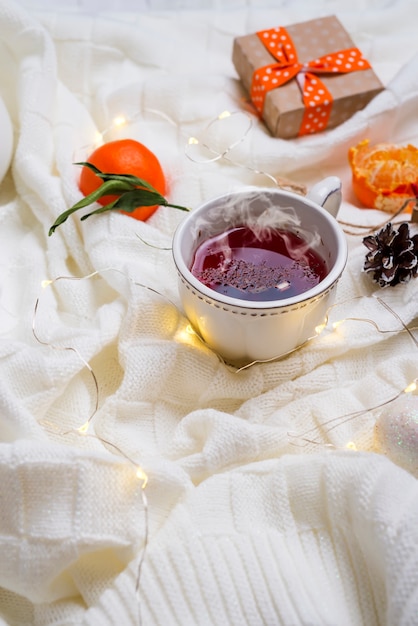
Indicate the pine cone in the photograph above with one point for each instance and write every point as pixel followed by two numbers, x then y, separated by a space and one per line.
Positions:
pixel 393 256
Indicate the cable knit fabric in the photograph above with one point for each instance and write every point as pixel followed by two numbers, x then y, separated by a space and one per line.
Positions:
pixel 268 501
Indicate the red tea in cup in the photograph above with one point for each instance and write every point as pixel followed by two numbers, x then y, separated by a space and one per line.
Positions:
pixel 271 264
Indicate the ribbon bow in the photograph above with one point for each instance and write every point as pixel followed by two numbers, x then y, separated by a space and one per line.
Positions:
pixel 317 98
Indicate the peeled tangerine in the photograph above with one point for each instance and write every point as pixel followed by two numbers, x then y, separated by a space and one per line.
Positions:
pixel 384 175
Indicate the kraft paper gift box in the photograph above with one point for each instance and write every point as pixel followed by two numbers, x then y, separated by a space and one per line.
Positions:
pixel 306 77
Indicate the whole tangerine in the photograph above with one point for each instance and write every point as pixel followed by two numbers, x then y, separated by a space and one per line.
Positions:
pixel 384 175
pixel 124 156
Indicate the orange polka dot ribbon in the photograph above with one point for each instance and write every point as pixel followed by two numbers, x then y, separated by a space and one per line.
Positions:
pixel 317 98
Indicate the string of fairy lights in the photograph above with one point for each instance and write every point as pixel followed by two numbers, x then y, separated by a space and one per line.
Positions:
pixel 194 148
pixel 84 429
pixel 187 332
pixel 337 421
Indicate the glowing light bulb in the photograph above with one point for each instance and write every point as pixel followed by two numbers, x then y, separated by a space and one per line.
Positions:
pixel 46 283
pixel 142 476
pixel 193 141
pixel 83 429
pixel 319 329
pixel 336 324
pixel 412 387
pixel 185 335
pixel 351 446
pixel 98 139
pixel 120 120
pixel 223 115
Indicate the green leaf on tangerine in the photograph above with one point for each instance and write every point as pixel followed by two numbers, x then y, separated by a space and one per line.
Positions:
pixel 128 178
pixel 132 192
pixel 110 187
pixel 130 201
pixel 139 197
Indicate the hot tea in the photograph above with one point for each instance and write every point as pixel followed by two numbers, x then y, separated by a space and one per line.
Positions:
pixel 242 331
pixel 272 264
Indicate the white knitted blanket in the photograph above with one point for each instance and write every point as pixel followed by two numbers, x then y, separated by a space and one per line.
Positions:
pixel 267 501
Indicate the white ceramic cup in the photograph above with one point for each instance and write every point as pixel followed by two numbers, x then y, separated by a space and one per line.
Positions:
pixel 241 331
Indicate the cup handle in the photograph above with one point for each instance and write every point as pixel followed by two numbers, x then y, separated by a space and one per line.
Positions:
pixel 327 193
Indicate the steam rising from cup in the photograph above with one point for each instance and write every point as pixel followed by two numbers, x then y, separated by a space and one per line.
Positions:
pixel 260 255
pixel 273 217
